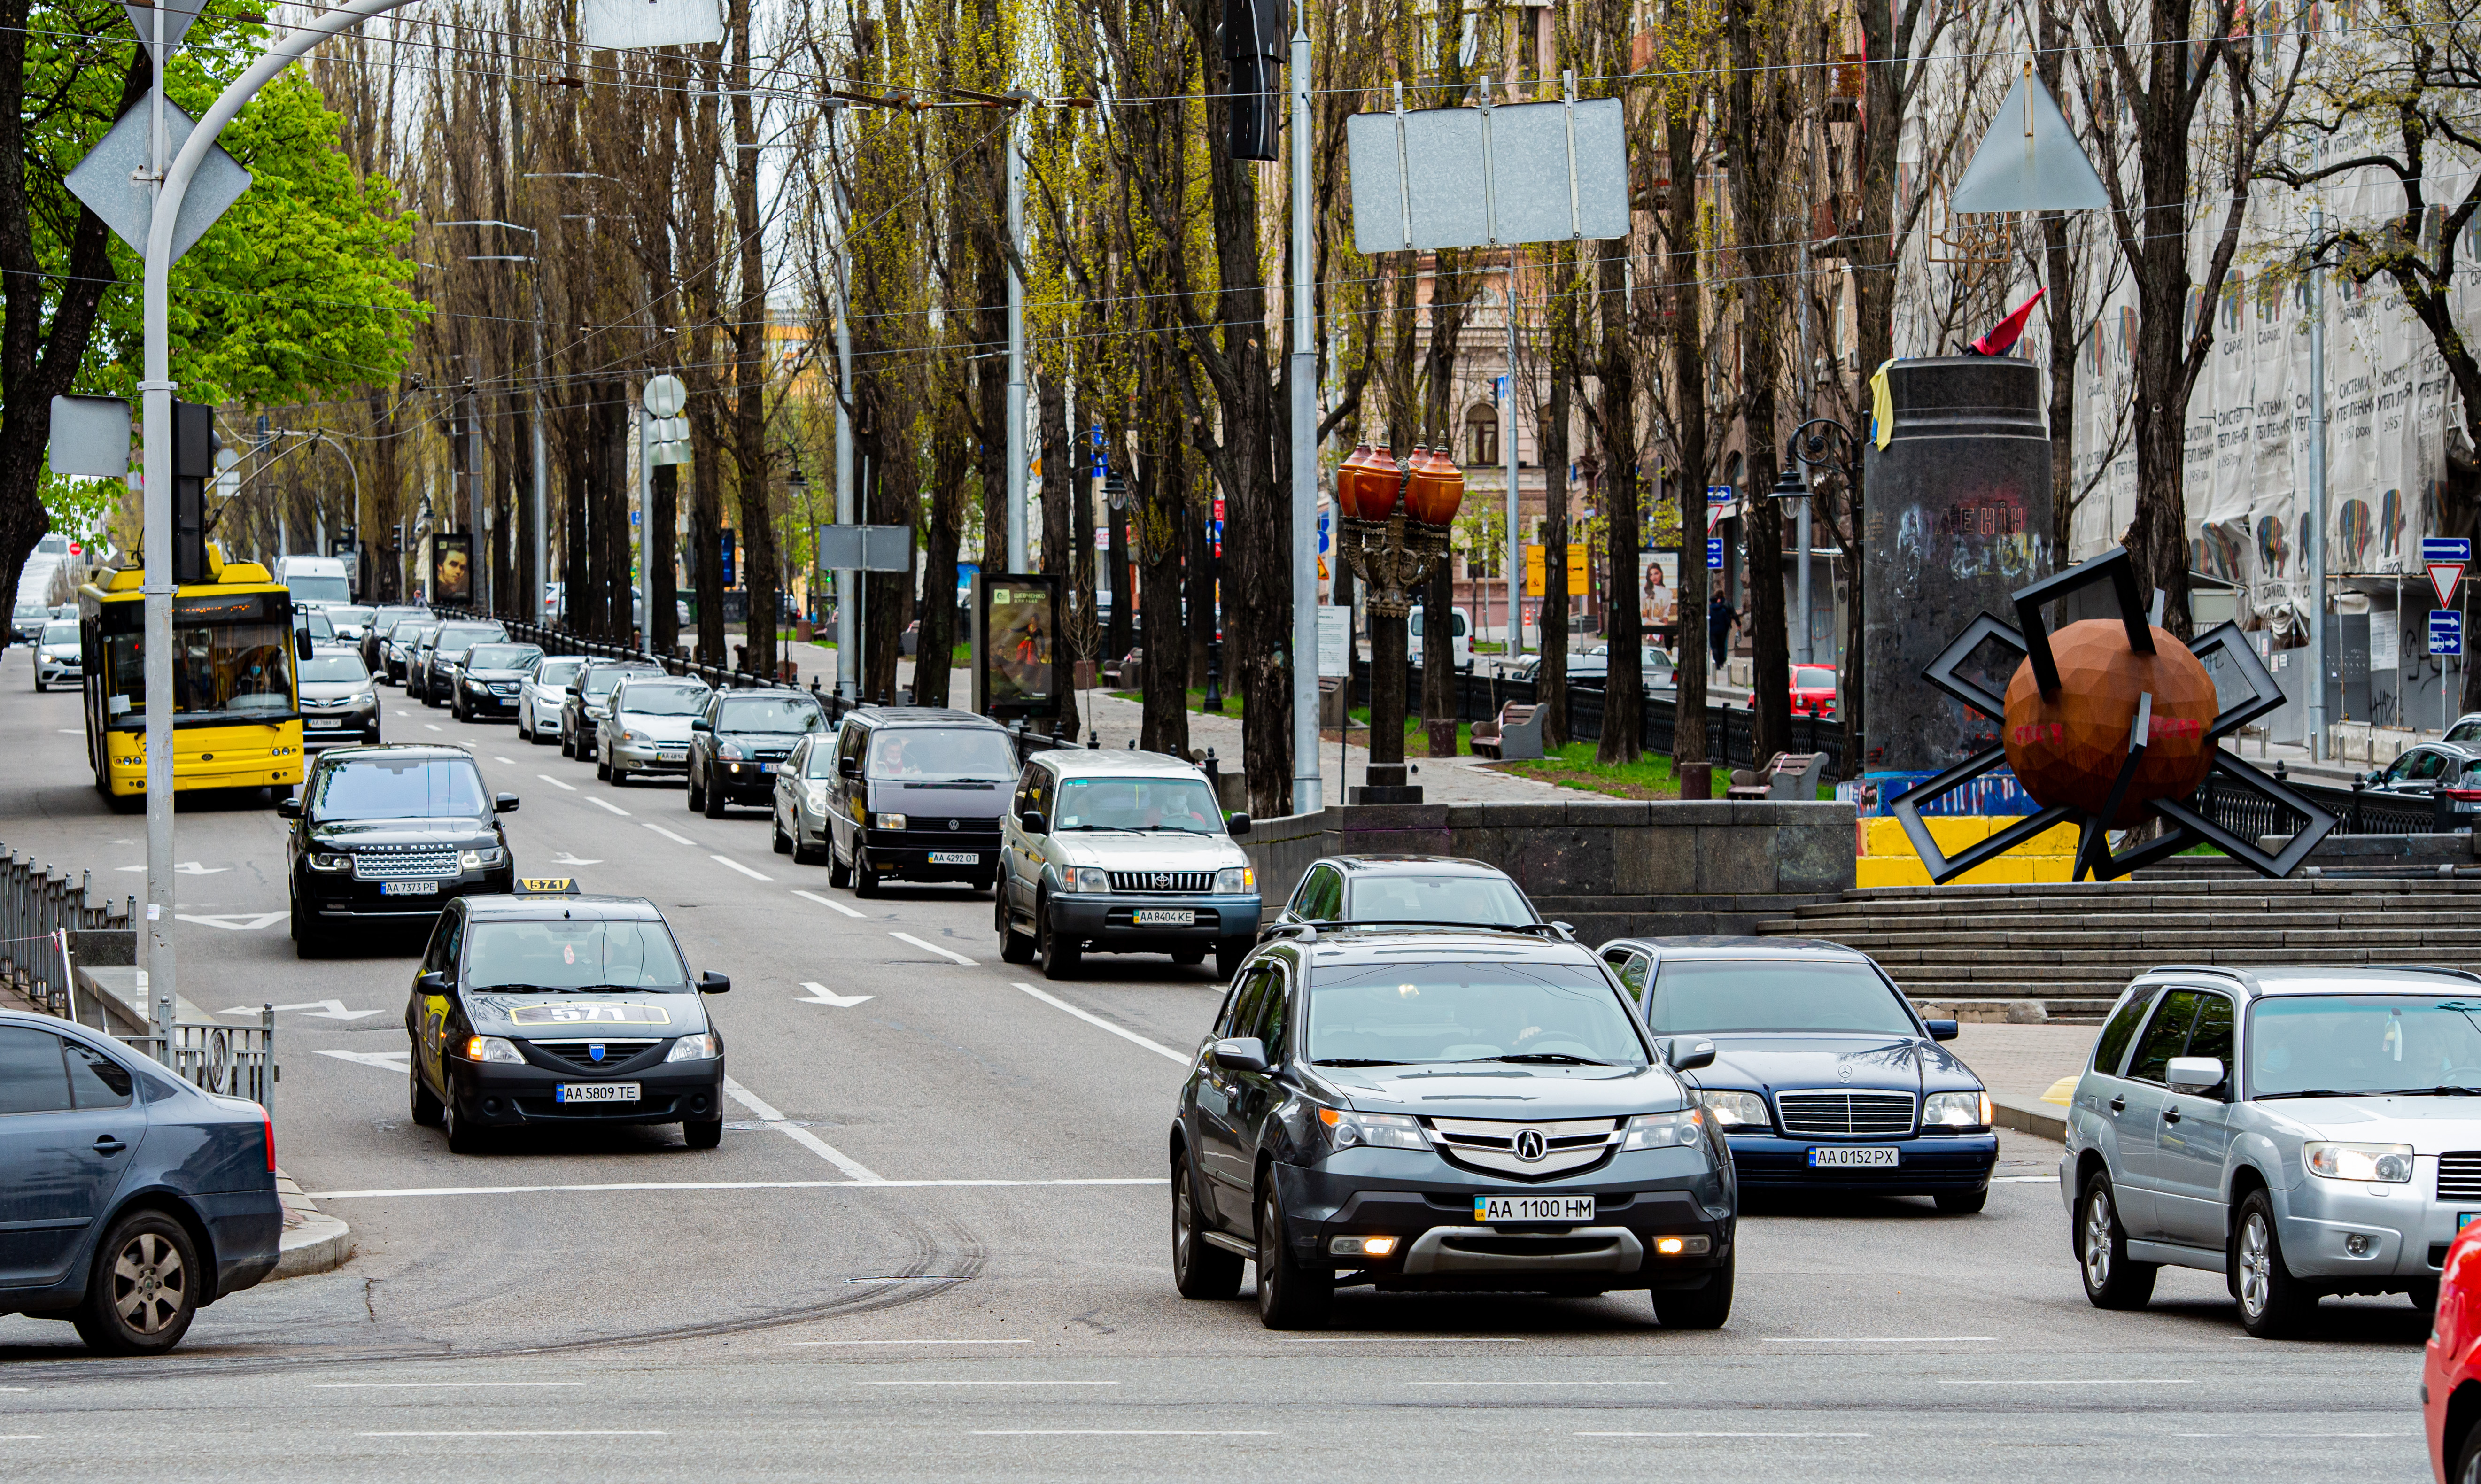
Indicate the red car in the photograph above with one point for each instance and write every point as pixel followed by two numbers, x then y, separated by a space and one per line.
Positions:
pixel 2451 1369
pixel 1813 690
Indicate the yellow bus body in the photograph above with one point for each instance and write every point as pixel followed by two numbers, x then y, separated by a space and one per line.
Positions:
pixel 234 639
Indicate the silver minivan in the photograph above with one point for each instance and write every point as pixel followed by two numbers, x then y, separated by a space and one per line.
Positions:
pixel 2302 1132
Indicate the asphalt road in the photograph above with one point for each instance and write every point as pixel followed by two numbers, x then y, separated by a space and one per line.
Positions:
pixel 934 1244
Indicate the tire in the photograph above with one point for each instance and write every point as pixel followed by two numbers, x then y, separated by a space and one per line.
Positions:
pixel 1290 1295
pixel 1061 957
pixel 865 881
pixel 1228 956
pixel 1962 1203
pixel 838 872
pixel 457 710
pixel 2467 1454
pixel 568 744
pixel 711 802
pixel 1199 1270
pixel 602 769
pixel 805 855
pixel 40 687
pixel 1188 957
pixel 463 1138
pixel 2423 1295
pixel 1705 1307
pixel 525 733
pixel 702 1132
pixel 2112 1281
pixel 1015 948
pixel 2273 1304
pixel 307 937
pixel 144 1288
pixel 782 841
pixel 425 1108
pixel 696 795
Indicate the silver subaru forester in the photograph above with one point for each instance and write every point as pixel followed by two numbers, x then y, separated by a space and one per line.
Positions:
pixel 2302 1132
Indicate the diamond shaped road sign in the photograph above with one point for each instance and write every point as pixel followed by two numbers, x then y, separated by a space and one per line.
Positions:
pixel 2029 160
pixel 103 179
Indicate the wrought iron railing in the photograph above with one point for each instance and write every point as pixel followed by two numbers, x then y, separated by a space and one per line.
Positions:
pixel 41 915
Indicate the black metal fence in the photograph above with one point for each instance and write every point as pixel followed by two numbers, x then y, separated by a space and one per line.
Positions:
pixel 1730 733
pixel 2251 815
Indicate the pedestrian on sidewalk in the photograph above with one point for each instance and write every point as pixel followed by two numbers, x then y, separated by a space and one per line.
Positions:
pixel 1720 622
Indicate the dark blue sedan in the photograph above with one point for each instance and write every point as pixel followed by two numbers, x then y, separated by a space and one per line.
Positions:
pixel 1824 1076
pixel 128 1198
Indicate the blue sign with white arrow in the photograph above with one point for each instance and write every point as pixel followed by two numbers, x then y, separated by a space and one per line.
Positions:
pixel 2446 632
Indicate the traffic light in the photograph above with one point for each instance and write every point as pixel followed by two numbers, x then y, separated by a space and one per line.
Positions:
pixel 194 444
pixel 396 538
pixel 1253 46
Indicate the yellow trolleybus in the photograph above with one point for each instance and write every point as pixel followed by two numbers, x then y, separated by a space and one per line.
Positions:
pixel 236 713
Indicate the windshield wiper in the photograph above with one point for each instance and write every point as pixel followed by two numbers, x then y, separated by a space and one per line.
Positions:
pixel 1105 830
pixel 1358 1061
pixel 2312 1092
pixel 1550 1058
pixel 2441 1090
pixel 527 989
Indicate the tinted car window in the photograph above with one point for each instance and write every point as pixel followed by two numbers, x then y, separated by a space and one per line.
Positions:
pixel 1245 1005
pixel 821 761
pixel 1631 969
pixel 662 700
pixel 565 954
pixel 1457 898
pixel 2363 1043
pixel 2211 1035
pixel 58 634
pixel 1481 1012
pixel 95 1080
pixel 2111 1048
pixel 769 714
pixel 32 1079
pixel 1694 995
pixel 384 788
pixel 599 682
pixel 2166 1037
pixel 502 657
pixel 334 667
pixel 975 753
pixel 1181 804
pixel 557 672
pixel 460 636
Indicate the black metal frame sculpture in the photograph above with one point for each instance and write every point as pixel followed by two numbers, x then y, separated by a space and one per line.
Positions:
pixel 2094 855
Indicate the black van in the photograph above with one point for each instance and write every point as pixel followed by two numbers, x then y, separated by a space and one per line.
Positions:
pixel 918 795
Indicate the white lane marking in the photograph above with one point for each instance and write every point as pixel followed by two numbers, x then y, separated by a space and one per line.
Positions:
pixel 385 1061
pixel 678 840
pixel 396 1385
pixel 726 860
pixel 20 1437
pixel 1055 1003
pixel 563 858
pixel 234 922
pixel 565 788
pixel 821 1343
pixel 2023 1179
pixel 1538 1383
pixel 319 1009
pixel 2090 1380
pixel 1397 1340
pixel 1116 1432
pixel 1877 1339
pixel 70 731
pixel 2290 1435
pixel 567 1432
pixel 511 762
pixel 991 1382
pixel 607 804
pixel 861 1173
pixel 1722 1435
pixel 707 1184
pixel 934 947
pixel 819 993
pixel 823 902
pixel 430 726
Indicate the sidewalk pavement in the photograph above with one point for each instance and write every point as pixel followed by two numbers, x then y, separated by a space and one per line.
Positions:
pixel 2029 1070
pixel 313 1241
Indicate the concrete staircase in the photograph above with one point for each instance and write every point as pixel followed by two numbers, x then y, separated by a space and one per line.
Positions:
pixel 2064 951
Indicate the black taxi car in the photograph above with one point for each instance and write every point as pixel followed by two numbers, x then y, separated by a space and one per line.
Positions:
pixel 550 1008
pixel 389 834
pixel 1445 1110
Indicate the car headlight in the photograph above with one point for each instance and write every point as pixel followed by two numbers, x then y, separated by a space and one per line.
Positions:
pixel 1084 878
pixel 491 1048
pixel 888 821
pixel 628 736
pixel 694 1048
pixel 329 860
pixel 730 752
pixel 1233 880
pixel 475 860
pixel 1685 1129
pixel 2391 1163
pixel 476 686
pixel 1738 1109
pixel 1378 1130
pixel 1956 1110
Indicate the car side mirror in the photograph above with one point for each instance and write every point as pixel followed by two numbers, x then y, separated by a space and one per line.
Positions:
pixel 1030 822
pixel 506 803
pixel 713 984
pixel 430 981
pixel 1688 1056
pixel 2194 1074
pixel 1240 1054
pixel 1942 1030
pixel 1237 824
pixel 301 645
pixel 700 724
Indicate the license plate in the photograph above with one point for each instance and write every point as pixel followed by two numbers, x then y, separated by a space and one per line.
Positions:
pixel 1533 1207
pixel 594 1092
pixel 2464 1218
pixel 330 723
pixel 1840 1158
pixel 408 888
pixel 956 858
pixel 769 768
pixel 1166 917
pixel 672 754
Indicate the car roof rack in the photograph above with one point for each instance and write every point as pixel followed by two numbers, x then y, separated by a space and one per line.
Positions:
pixel 2218 971
pixel 2461 973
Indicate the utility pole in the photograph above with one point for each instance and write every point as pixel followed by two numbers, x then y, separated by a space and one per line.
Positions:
pixel 480 572
pixel 848 585
pixel 1306 784
pixel 2317 680
pixel 1802 648
pixel 1016 536
pixel 646 484
pixel 1515 534
pixel 157 489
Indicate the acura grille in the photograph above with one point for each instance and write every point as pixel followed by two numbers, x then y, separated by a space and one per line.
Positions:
pixel 1499 1147
pixel 1834 1113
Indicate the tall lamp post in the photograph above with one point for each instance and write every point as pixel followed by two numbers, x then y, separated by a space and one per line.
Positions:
pixel 1394 530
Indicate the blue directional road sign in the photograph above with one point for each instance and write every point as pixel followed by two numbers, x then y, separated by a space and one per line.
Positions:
pixel 1714 554
pixel 2445 630
pixel 2446 548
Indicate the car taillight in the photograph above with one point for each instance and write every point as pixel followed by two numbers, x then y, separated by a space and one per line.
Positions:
pixel 2465 795
pixel 269 1124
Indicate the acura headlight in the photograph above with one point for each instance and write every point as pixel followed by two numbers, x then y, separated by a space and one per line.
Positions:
pixel 491 1048
pixel 1738 1109
pixel 329 860
pixel 1378 1130
pixel 1956 1110
pixel 884 821
pixel 2391 1163
pixel 475 860
pixel 694 1048
pixel 1664 1131
pixel 1084 878
pixel 1233 880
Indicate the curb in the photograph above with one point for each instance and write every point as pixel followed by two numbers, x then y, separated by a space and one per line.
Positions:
pixel 313 1241
pixel 2046 1120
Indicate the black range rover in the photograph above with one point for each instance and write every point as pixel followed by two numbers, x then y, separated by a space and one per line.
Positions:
pixel 1449 1109
pixel 390 835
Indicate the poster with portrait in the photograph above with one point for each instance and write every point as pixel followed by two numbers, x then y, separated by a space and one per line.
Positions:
pixel 1016 627
pixel 452 570
pixel 1658 589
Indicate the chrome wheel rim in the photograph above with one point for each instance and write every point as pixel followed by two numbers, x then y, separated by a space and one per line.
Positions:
pixel 1182 1223
pixel 2097 1253
pixel 2256 1265
pixel 149 1283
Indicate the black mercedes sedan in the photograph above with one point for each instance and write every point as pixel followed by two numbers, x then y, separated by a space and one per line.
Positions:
pixel 389 835
pixel 1825 1078
pixel 740 741
pixel 546 1009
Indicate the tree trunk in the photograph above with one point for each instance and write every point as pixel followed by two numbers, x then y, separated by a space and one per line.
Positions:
pixel 1623 685
pixel 1164 519
pixel 1684 300
pixel 759 569
pixel 1550 677
pixel 1759 129
pixel 663 624
pixel 933 655
pixel 1060 541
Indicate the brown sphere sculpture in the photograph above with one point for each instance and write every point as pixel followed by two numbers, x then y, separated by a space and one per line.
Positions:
pixel 2068 748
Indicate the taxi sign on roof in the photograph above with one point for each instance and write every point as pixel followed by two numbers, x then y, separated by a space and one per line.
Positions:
pixel 547 886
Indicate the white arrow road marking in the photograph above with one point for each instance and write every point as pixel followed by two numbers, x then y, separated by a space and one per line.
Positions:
pixel 819 993
pixel 563 858
pixel 234 922
pixel 385 1061
pixel 567 788
pixel 726 860
pixel 321 1009
pixel 804 896
pixel 604 804
pixel 1054 1000
pixel 932 947
pixel 816 1145
pixel 193 869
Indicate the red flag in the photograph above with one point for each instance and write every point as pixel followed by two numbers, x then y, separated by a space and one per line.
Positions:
pixel 2002 335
